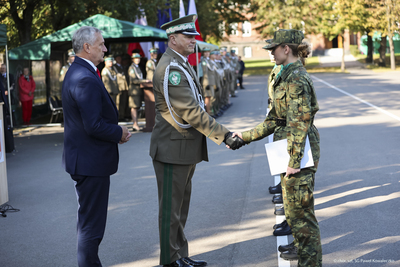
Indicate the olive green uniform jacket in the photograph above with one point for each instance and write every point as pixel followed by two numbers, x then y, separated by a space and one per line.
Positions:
pixel 109 77
pixel 150 69
pixel 296 102
pixel 169 142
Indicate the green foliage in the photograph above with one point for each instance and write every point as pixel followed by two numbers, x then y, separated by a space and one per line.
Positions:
pixel 354 50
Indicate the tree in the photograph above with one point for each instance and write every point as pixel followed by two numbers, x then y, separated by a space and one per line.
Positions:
pixel 290 14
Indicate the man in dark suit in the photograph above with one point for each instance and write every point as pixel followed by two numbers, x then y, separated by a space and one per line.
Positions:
pixel 91 137
pixel 178 141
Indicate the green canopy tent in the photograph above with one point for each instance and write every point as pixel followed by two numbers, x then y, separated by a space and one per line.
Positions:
pixel 114 30
pixel 3 42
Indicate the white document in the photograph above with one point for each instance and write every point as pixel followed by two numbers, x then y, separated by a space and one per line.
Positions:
pixel 278 157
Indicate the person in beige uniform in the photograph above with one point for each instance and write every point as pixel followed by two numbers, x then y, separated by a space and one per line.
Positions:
pixel 64 69
pixel 122 86
pixel 135 91
pixel 178 141
pixel 208 81
pixel 151 64
pixel 109 77
pixel 216 99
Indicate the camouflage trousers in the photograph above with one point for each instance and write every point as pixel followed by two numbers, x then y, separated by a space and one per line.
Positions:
pixel 298 201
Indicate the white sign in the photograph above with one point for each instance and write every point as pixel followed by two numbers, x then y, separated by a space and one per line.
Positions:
pixel 278 157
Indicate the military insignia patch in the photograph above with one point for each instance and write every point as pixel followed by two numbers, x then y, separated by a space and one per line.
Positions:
pixel 204 63
pixel 174 78
pixel 149 65
pixel 132 71
pixel 296 71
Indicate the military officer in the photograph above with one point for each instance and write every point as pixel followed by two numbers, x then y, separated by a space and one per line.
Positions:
pixel 225 85
pixel 218 76
pixel 151 63
pixel 272 76
pixel 109 77
pixel 236 66
pixel 292 117
pixel 64 69
pixel 122 79
pixel 135 91
pixel 178 141
pixel 208 81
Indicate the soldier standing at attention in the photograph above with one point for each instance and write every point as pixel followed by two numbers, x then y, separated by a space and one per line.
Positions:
pixel 122 80
pixel 178 141
pixel 151 64
pixel 215 100
pixel 292 117
pixel 208 81
pixel 236 67
pixel 109 77
pixel 64 69
pixel 135 92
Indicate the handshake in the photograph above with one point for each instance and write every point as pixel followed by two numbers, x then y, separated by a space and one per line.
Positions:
pixel 233 142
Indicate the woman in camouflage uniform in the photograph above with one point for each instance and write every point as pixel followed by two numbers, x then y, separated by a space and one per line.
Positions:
pixel 292 118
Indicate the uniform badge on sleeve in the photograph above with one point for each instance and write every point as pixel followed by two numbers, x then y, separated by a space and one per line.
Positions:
pixel 174 78
pixel 132 71
pixel 149 65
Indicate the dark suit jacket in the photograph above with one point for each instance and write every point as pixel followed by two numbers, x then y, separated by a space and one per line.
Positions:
pixel 91 131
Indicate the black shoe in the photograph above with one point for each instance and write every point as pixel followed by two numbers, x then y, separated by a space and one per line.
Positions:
pixel 290 255
pixel 219 114
pixel 178 263
pixel 277 199
pixel 279 211
pixel 233 95
pixel 286 247
pixel 284 230
pixel 242 87
pixel 275 189
pixel 193 262
pixel 279 225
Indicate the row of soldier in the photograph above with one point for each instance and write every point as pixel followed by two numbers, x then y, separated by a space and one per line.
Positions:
pixel 124 80
pixel 218 75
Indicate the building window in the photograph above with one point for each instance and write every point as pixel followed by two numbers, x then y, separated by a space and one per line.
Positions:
pixel 246 29
pixel 247 51
pixel 234 27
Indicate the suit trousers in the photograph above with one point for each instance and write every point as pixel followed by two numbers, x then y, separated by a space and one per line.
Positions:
pixel 174 189
pixel 92 193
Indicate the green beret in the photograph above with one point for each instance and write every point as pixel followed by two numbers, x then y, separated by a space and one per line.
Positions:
pixel 153 50
pixel 136 55
pixel 285 37
pixel 184 25
pixel 71 53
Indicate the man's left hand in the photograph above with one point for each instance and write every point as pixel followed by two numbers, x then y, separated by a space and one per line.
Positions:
pixel 290 171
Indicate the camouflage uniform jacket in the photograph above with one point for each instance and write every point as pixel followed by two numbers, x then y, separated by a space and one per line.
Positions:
pixel 296 102
pixel 271 81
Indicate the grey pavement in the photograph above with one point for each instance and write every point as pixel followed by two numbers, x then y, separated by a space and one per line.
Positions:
pixel 231 216
pixel 335 60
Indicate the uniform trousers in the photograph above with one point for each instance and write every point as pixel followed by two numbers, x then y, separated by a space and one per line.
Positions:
pixel 92 193
pixel 26 111
pixel 174 189
pixel 123 107
pixel 298 201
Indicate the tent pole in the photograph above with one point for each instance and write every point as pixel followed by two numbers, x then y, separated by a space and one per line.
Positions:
pixel 197 61
pixel 9 89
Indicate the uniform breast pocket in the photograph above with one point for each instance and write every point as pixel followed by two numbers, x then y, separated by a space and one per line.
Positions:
pixel 280 102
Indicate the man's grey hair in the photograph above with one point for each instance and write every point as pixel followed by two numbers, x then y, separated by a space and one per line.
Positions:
pixel 85 34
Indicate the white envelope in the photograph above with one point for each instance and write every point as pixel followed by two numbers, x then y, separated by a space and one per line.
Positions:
pixel 278 157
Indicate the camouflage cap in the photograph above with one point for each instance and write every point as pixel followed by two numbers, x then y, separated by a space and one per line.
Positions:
pixel 285 37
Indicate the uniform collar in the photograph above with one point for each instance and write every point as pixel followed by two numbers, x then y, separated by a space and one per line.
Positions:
pixel 183 58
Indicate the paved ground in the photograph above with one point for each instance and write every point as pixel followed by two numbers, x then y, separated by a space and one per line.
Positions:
pixel 231 217
pixel 336 61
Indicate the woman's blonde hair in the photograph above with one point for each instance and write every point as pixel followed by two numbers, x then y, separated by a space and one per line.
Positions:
pixel 301 51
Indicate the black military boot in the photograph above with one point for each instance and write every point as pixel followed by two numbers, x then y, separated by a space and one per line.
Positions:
pixel 275 189
pixel 283 248
pixel 290 255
